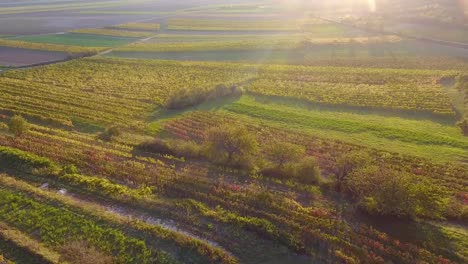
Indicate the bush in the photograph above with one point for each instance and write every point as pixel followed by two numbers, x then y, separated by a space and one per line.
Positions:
pixel 156 146
pixel 463 125
pixel 18 125
pixel 180 148
pixel 111 134
pixel 307 171
pixel 185 98
pixel 79 252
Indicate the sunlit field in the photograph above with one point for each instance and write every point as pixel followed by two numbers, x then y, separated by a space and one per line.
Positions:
pixel 258 132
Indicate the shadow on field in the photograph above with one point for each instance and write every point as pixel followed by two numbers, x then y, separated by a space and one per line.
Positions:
pixel 414 232
pixel 161 113
pixel 305 104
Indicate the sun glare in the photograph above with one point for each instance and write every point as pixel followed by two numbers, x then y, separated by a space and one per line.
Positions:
pixel 372 5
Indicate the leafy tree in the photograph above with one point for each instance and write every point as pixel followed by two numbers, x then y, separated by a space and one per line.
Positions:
pixel 384 191
pixel 231 145
pixel 348 163
pixel 18 125
pixel 282 153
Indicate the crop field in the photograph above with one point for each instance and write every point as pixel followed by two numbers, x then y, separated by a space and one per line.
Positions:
pixel 112 32
pixel 19 57
pixel 226 25
pixel 140 26
pixel 253 132
pixel 77 39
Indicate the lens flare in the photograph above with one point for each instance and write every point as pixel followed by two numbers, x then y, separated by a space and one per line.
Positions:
pixel 372 5
pixel 464 6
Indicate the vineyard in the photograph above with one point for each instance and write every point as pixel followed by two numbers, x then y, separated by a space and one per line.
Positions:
pixel 251 133
pixel 48 46
pixel 232 25
pixel 113 32
pixel 268 43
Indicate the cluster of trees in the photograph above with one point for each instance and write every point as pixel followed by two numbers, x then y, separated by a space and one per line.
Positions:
pixel 191 97
pixel 381 190
pixel 375 188
pixel 236 147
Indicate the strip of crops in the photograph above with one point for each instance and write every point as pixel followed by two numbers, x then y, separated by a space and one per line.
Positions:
pixel 113 32
pixel 55 226
pixel 49 47
pixel 232 25
pixel 326 151
pixel 262 44
pixel 140 26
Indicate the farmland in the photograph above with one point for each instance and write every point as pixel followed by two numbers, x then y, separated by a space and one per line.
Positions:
pixel 73 39
pixel 255 132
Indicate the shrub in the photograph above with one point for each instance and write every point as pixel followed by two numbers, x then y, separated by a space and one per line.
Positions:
pixel 307 171
pixel 111 134
pixel 79 252
pixel 463 125
pixel 185 98
pixel 156 146
pixel 18 125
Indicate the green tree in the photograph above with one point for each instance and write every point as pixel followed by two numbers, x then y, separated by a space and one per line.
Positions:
pixel 383 191
pixel 282 153
pixel 18 125
pixel 231 145
pixel 349 162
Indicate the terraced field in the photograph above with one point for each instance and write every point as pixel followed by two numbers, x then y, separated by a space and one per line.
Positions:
pixel 249 132
pixel 75 39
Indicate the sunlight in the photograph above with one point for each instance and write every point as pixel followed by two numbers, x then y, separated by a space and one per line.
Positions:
pixel 464 6
pixel 372 5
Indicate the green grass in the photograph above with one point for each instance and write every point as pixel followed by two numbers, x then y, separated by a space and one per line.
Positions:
pixel 423 138
pixel 76 39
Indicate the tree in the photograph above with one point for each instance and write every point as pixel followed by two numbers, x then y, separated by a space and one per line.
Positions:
pixel 348 163
pixel 384 191
pixel 18 125
pixel 282 153
pixel 231 145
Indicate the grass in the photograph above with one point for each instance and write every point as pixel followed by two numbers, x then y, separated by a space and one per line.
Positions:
pixel 76 39
pixel 417 137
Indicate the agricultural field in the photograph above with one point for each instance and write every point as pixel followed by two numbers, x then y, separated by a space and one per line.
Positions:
pixel 19 57
pixel 252 132
pixel 78 39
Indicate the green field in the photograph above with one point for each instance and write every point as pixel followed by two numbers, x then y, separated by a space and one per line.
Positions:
pixel 75 39
pixel 248 132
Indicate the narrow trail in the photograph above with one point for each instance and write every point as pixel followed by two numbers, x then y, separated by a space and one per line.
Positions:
pixel 134 214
